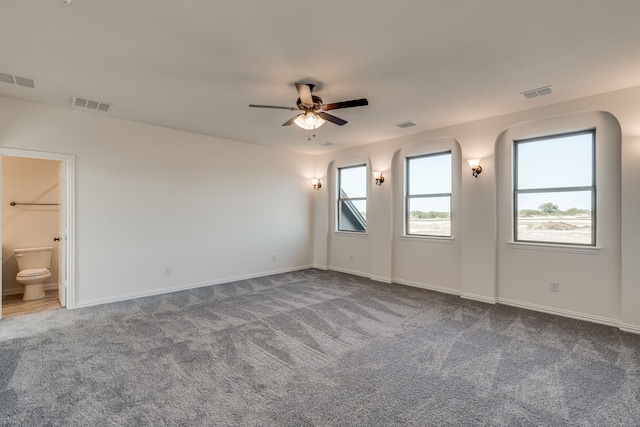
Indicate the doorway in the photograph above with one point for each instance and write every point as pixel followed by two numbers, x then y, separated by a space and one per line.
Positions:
pixel 40 216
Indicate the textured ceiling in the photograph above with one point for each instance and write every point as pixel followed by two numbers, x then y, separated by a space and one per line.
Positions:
pixel 196 65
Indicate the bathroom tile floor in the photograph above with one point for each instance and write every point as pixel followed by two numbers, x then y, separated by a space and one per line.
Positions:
pixel 12 305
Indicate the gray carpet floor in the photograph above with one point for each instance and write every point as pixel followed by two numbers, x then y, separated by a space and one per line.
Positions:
pixel 314 348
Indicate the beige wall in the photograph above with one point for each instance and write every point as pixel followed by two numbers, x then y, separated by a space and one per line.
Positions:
pixel 149 197
pixel 213 209
pixel 609 296
pixel 28 181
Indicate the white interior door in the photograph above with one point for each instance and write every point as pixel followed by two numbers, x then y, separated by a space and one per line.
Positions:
pixel 62 235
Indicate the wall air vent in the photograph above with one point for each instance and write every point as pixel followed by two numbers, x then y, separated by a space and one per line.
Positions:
pixel 405 125
pixel 76 101
pixel 18 80
pixel 537 92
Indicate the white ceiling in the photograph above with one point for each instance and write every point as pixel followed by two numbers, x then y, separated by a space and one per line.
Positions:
pixel 196 65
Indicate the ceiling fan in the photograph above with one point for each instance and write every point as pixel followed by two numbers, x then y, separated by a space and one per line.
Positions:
pixel 313 110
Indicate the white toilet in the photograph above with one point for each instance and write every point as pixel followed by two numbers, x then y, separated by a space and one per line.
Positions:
pixel 33 270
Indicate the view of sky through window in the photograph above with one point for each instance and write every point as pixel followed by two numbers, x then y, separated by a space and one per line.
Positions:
pixel 555 189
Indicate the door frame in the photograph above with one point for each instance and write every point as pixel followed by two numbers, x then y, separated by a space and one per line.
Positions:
pixel 68 162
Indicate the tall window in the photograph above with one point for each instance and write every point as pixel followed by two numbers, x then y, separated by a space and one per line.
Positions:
pixel 428 198
pixel 352 198
pixel 554 189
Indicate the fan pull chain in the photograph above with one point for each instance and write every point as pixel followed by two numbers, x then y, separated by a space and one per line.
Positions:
pixel 312 136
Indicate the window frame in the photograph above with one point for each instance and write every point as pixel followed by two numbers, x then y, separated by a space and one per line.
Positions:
pixel 341 199
pixel 408 196
pixel 592 188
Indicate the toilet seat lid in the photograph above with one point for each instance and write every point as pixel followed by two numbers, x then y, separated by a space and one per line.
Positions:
pixel 33 272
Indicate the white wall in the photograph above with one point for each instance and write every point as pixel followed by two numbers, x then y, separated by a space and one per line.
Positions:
pixel 213 209
pixel 149 197
pixel 609 297
pixel 24 226
pixel 589 282
pixel 434 263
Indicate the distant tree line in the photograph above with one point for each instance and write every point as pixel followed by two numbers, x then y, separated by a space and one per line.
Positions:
pixel 429 215
pixel 549 209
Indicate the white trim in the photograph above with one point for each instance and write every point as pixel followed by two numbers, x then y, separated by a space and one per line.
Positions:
pixel 589 250
pixel 427 286
pixel 184 287
pixel 320 267
pixel 560 312
pixel 69 161
pixel 429 239
pixel 350 233
pixel 634 329
pixel 381 279
pixel 346 270
pixel 481 298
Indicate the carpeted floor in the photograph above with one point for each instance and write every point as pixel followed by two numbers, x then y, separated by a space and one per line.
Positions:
pixel 314 348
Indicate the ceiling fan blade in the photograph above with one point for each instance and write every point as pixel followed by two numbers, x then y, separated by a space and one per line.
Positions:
pixel 333 119
pixel 291 120
pixel 304 92
pixel 347 104
pixel 273 106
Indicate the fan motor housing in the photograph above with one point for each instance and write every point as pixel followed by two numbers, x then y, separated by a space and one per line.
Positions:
pixel 317 103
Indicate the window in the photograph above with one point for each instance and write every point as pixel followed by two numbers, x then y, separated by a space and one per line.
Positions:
pixel 352 198
pixel 428 198
pixel 554 189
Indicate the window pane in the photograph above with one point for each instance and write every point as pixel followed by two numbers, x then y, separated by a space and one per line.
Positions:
pixel 352 215
pixel 429 216
pixel 353 182
pixel 430 174
pixel 564 161
pixel 557 217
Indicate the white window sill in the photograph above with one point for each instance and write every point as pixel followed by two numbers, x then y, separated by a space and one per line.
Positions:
pixel 350 233
pixel 429 239
pixel 590 250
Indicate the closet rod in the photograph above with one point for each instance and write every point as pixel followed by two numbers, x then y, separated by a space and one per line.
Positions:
pixel 35 204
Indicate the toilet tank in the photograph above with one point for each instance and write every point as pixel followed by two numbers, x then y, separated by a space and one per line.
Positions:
pixel 29 258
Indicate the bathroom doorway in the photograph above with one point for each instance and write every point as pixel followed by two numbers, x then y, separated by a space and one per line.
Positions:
pixel 36 211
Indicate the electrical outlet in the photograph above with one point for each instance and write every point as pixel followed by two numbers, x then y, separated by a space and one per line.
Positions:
pixel 350 257
pixel 273 257
pixel 167 271
pixel 554 286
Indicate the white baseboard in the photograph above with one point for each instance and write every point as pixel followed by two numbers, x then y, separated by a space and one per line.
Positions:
pixel 625 327
pixel 186 286
pixel 427 286
pixel 481 298
pixel 354 272
pixel 535 307
pixel 20 290
pixel 560 312
pixel 381 279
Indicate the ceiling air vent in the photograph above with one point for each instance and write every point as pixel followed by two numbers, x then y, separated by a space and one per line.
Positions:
pixel 91 105
pixel 18 80
pixel 405 125
pixel 537 92
pixel 326 143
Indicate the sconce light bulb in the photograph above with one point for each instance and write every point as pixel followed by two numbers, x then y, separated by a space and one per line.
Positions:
pixel 378 177
pixel 475 167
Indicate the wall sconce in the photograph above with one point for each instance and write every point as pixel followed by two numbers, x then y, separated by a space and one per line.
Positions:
pixel 475 167
pixel 316 184
pixel 378 177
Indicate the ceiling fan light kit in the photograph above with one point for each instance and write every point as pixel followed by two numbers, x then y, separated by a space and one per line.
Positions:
pixel 313 109
pixel 309 121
